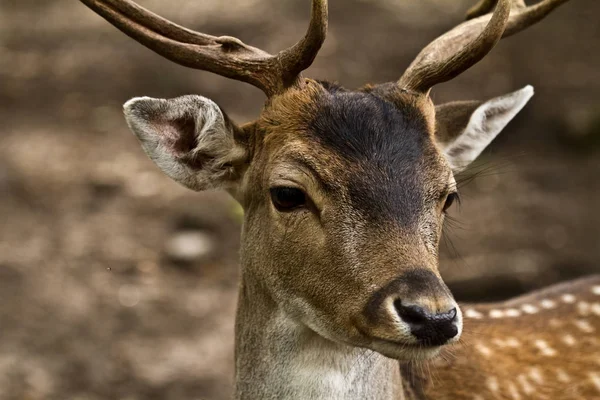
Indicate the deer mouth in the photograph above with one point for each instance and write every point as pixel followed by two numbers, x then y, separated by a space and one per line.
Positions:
pixel 405 351
pixel 400 345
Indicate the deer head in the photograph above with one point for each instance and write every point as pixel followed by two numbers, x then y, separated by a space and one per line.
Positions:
pixel 344 191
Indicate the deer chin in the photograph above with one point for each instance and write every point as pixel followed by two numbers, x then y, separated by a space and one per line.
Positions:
pixel 393 339
pixel 404 351
pixel 400 345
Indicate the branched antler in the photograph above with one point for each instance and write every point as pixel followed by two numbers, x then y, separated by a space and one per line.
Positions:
pixel 443 59
pixel 456 51
pixel 226 56
pixel 521 17
pixel 462 47
pixel 486 6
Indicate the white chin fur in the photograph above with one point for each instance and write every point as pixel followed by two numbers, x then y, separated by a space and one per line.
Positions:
pixel 405 352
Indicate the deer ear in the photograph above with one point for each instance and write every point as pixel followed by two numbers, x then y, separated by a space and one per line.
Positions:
pixel 190 139
pixel 464 129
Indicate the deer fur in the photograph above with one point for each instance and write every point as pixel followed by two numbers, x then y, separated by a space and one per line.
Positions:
pixel 543 345
pixel 295 335
pixel 345 194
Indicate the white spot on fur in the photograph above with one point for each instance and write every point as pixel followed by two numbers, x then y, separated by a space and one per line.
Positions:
pixel 496 314
pixel 584 326
pixel 529 309
pixel 596 290
pixel 484 350
pixel 512 312
pixel 509 342
pixel 583 307
pixel 471 313
pixel 492 384
pixel 536 375
pixel 562 376
pixel 527 388
pixel 514 392
pixel 568 298
pixel 544 348
pixel 596 308
pixel 595 378
pixel 547 304
pixel 569 340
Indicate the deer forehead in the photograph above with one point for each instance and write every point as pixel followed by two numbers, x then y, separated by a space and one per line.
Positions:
pixel 379 154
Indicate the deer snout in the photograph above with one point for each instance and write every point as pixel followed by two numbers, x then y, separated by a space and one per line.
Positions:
pixel 429 328
pixel 416 308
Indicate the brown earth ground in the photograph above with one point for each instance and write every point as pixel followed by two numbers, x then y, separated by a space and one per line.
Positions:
pixel 96 302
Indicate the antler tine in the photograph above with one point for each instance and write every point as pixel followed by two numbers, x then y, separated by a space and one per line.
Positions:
pixel 521 17
pixel 444 59
pixel 486 6
pixel 427 70
pixel 300 56
pixel 527 16
pixel 226 56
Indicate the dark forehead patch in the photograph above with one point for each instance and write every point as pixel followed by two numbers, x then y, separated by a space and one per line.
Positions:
pixel 386 148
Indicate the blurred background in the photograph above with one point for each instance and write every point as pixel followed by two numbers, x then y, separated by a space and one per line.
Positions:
pixel 116 283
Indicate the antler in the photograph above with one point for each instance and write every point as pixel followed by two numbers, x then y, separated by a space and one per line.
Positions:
pixel 464 46
pixel 521 17
pixel 486 6
pixel 225 55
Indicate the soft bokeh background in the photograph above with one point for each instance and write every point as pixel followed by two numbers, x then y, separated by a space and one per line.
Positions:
pixel 116 283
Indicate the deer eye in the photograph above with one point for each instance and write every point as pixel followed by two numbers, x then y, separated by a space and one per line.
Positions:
pixel 450 199
pixel 287 198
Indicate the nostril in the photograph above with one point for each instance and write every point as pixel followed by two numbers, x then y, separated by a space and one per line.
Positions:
pixel 411 314
pixel 448 316
pixel 431 329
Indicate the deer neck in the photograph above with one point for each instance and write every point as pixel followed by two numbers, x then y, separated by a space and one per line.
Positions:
pixel 279 358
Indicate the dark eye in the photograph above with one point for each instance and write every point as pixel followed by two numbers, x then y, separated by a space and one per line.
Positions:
pixel 287 198
pixel 450 199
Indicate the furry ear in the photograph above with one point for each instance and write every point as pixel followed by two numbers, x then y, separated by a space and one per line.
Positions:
pixel 190 139
pixel 464 129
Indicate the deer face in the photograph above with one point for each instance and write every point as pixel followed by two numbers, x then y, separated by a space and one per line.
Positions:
pixel 346 201
pixel 345 195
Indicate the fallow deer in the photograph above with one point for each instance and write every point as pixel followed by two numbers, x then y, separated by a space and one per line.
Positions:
pixel 345 193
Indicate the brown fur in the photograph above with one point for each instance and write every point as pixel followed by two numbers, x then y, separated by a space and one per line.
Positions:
pixel 548 351
pixel 323 286
pixel 320 285
pixel 451 118
pixel 317 274
pixel 316 270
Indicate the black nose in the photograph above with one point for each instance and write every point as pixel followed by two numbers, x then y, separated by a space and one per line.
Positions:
pixel 430 329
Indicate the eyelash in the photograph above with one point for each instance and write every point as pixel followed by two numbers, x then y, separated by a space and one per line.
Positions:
pixel 451 199
pixel 287 198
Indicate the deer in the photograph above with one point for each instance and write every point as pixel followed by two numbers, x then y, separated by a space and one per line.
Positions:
pixel 345 193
